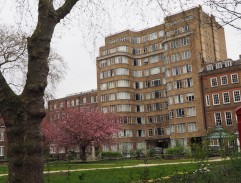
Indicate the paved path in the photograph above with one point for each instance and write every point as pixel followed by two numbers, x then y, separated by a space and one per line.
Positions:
pixel 119 167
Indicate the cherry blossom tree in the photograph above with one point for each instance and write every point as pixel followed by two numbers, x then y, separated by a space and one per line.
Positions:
pixel 81 127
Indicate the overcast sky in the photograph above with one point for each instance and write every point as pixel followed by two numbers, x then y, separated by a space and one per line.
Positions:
pixel 71 44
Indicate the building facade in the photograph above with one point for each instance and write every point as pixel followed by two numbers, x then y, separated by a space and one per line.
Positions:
pixel 84 100
pixel 151 78
pixel 221 94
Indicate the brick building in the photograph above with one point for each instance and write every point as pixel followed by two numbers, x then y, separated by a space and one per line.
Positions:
pixel 151 78
pixel 86 100
pixel 221 93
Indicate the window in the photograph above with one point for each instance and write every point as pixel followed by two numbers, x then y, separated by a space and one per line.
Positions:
pixel 1 135
pixel 234 78
pixel 125 133
pixel 155 70
pixel 103 63
pixel 156 94
pixel 161 33
pixel 187 68
pixel 140 120
pixel 217 118
pixel 145 62
pixel 170 101
pixel 124 108
pixel 92 99
pixel 178 99
pixel 112 108
pixel 188 82
pixel 137 74
pixel 216 99
pixel 123 95
pixel 112 96
pixel 186 55
pixel 136 51
pixel 179 113
pixel 1 150
pixel 154 59
pixel 121 60
pixel 228 118
pixel 139 108
pixel 156 82
pixel 147 84
pixel 122 48
pixel 192 127
pixel 122 71
pixel 172 128
pixel 136 62
pixel 190 97
pixel 137 85
pixel 111 84
pixel 219 65
pixel 185 41
pixel 138 96
pixel 146 72
pixel 150 132
pixel 175 57
pixel 226 98
pixel 236 96
pixel 103 98
pixel 148 107
pixel 178 84
pixel 103 75
pixel 171 114
pixel 224 80
pixel 181 128
pixel 207 100
pixel 191 111
pixel 159 131
pixel 176 71
pixel 126 120
pixel 123 83
pixel 140 133
pixel 214 82
pixel 168 73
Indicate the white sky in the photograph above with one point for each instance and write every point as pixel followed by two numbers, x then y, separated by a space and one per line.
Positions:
pixel 81 75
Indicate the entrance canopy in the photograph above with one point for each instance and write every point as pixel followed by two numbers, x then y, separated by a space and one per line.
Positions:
pixel 219 132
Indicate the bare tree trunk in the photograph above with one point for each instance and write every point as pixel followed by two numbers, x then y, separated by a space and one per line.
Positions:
pixel 23 114
pixel 25 152
pixel 82 152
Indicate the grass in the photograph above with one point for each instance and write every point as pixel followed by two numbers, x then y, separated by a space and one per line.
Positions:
pixel 116 175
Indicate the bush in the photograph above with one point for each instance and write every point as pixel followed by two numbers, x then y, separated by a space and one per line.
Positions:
pixel 176 150
pixel 110 154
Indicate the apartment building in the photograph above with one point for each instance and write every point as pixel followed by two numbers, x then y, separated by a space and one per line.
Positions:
pixel 151 78
pixel 222 94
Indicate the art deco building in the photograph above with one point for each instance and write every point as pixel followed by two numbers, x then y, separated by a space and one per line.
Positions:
pixel 151 78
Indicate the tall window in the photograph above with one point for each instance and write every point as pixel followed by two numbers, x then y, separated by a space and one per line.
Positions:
pixel 228 118
pixel 181 128
pixel 216 99
pixel 191 111
pixel 224 80
pixel 236 96
pixel 186 55
pixel 1 135
pixel 179 113
pixel 226 98
pixel 192 127
pixel 1 150
pixel 190 97
pixel 218 118
pixel 207 100
pixel 214 82
pixel 188 82
pixel 159 131
pixel 234 78
pixel 178 84
pixel 137 74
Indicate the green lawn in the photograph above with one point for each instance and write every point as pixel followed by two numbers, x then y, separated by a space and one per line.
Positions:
pixel 117 175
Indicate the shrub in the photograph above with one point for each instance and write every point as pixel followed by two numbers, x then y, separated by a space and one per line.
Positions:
pixel 110 154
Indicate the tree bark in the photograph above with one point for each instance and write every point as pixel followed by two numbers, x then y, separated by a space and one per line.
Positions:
pixel 83 153
pixel 23 114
